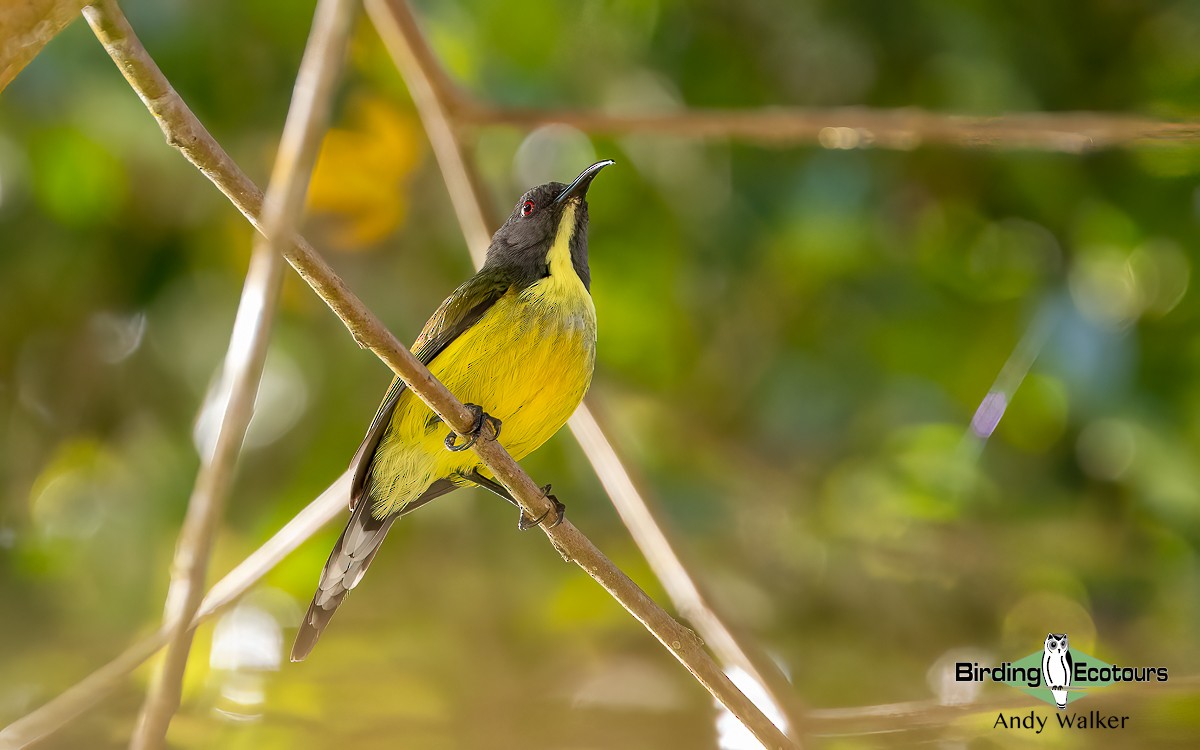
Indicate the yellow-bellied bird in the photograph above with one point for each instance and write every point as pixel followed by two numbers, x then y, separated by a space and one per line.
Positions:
pixel 516 343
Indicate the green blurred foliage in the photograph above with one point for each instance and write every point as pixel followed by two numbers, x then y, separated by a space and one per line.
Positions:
pixel 793 345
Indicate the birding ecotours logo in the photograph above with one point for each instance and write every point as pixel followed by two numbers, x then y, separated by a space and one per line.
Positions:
pixel 1057 673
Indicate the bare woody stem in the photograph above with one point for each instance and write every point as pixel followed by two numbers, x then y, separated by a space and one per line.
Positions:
pixel 234 397
pixel 243 366
pixel 681 588
pixel 185 132
pixel 858 127
pixel 433 93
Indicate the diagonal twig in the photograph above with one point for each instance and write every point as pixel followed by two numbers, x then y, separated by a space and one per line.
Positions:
pixel 436 98
pixel 234 398
pixel 682 589
pixel 241 373
pixel 991 409
pixel 27 27
pixel 185 132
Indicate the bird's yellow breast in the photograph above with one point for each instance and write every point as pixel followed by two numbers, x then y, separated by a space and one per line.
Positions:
pixel 528 362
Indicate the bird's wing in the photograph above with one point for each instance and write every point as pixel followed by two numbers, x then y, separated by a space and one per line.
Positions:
pixel 457 313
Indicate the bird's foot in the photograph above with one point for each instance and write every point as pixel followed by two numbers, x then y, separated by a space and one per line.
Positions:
pixel 481 418
pixel 559 510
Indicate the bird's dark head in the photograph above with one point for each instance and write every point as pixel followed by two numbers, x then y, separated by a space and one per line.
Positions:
pixel 548 218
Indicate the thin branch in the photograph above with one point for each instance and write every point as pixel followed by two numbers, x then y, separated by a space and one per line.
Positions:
pixel 436 98
pixel 435 95
pixel 234 398
pixel 902 128
pixel 307 120
pixel 86 693
pixel 26 27
pixel 860 127
pixel 187 134
pixel 990 411
pixel 681 588
pixel 901 717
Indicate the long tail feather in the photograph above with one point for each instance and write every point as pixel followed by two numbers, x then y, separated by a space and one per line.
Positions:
pixel 354 551
pixel 348 562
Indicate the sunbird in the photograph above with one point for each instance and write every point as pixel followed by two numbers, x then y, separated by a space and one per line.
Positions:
pixel 516 343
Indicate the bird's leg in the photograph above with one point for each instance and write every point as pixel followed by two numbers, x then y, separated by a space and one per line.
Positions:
pixel 481 417
pixel 490 485
pixel 525 522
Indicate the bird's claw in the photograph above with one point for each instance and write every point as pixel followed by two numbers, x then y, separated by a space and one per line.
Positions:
pixel 481 417
pixel 559 510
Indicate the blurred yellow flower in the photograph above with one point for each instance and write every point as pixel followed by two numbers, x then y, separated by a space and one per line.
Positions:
pixel 361 177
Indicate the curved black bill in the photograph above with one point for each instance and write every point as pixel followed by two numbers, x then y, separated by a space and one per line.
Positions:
pixel 579 187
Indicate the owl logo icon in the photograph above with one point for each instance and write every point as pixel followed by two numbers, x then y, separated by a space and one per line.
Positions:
pixel 1057 667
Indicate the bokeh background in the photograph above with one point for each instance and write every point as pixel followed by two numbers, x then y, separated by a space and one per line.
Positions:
pixel 793 343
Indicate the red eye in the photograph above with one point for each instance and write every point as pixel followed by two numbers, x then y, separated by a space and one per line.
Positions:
pixel 527 208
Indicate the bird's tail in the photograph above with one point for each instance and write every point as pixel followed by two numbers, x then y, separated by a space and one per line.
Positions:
pixel 354 551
